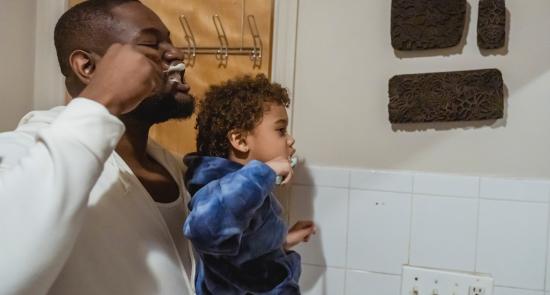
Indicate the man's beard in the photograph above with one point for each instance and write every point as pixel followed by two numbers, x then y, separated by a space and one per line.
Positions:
pixel 163 107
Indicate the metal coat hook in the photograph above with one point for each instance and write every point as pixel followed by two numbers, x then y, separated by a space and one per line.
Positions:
pixel 256 55
pixel 222 52
pixel 191 50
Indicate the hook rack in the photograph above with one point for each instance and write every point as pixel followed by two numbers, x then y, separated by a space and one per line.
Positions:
pixel 223 51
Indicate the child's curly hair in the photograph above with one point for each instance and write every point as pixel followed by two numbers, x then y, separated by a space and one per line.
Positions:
pixel 237 104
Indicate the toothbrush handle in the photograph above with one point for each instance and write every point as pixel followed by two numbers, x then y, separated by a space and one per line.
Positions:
pixel 293 162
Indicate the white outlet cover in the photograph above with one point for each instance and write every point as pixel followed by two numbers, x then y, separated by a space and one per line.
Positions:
pixel 430 281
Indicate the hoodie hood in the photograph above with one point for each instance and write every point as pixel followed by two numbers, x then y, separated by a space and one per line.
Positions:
pixel 202 169
pixel 36 120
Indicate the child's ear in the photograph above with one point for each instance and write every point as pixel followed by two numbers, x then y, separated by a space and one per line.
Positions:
pixel 237 139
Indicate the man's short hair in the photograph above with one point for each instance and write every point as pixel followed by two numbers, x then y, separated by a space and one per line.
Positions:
pixel 87 26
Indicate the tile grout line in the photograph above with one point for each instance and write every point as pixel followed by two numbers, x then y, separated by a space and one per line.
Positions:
pixel 348 185
pixel 478 216
pixel 518 288
pixel 353 269
pixel 428 194
pixel 409 246
pixel 347 232
pixel 546 283
pixel 411 212
pixel 412 195
pixel 400 275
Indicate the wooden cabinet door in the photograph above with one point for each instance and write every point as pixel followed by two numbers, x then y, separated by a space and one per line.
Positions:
pixel 179 136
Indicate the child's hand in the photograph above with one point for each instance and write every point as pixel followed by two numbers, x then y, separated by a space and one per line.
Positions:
pixel 281 166
pixel 301 231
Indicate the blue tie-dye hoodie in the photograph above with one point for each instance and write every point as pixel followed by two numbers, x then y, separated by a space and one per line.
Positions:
pixel 236 227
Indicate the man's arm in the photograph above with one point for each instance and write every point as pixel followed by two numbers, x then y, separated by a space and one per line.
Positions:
pixel 44 196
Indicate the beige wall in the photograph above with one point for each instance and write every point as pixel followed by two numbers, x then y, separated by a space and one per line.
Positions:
pixel 49 86
pixel 17 37
pixel 344 60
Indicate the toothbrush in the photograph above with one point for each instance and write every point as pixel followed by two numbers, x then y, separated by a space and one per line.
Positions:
pixel 176 68
pixel 293 163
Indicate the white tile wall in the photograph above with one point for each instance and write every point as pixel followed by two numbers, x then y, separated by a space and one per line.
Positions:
pixel 372 222
pixel 368 283
pixel 328 207
pixel 379 225
pixel 512 291
pixel 512 243
pixel 318 280
pixel 515 189
pixel 321 176
pixel 381 181
pixel 446 185
pixel 443 233
pixel 548 258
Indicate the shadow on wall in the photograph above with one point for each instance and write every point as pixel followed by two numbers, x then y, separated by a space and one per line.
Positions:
pixel 301 207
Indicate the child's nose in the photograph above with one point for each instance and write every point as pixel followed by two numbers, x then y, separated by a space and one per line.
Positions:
pixel 290 140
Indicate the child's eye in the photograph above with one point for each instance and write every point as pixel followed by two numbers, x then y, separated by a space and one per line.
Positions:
pixel 282 131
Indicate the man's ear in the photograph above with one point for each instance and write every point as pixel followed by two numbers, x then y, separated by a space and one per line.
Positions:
pixel 83 65
pixel 237 139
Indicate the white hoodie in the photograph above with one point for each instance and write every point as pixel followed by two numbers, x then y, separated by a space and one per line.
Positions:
pixel 75 219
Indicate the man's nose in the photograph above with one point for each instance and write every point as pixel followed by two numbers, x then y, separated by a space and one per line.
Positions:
pixel 172 54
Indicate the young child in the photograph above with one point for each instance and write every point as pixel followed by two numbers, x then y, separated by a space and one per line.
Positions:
pixel 235 223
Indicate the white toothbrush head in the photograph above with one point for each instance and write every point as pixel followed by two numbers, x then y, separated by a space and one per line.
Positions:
pixel 180 67
pixel 293 161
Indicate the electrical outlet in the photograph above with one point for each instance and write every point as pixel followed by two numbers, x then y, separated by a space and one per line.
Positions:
pixel 430 281
pixel 476 291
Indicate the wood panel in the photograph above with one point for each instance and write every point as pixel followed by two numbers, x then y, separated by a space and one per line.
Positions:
pixel 179 136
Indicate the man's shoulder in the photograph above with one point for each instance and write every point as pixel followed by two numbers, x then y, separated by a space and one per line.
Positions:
pixel 16 144
pixel 34 121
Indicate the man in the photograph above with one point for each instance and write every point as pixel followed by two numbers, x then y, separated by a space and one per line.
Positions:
pixel 78 218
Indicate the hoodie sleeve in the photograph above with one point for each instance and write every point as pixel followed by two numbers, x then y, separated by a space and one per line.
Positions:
pixel 222 210
pixel 45 182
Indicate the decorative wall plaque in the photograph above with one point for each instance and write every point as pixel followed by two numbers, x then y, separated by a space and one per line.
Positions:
pixel 447 96
pixel 491 24
pixel 427 24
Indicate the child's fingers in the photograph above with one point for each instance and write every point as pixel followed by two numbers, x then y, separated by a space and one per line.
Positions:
pixel 303 224
pixel 288 177
pixel 303 233
pixel 282 168
pixel 300 232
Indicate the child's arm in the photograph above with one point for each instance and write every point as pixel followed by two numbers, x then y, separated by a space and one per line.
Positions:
pixel 222 209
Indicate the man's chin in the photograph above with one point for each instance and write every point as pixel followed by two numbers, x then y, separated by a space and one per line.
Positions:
pixel 159 109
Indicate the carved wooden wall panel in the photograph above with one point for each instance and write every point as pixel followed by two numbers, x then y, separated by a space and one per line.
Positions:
pixel 448 96
pixel 427 24
pixel 491 24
